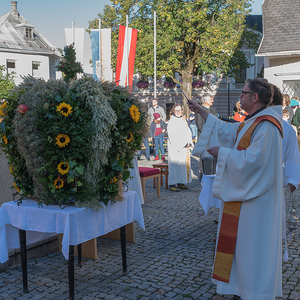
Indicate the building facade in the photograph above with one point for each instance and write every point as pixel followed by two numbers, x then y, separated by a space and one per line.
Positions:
pixel 24 51
pixel 280 46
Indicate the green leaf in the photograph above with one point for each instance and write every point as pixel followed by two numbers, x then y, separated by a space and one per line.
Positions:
pixel 116 92
pixel 80 169
pixel 58 98
pixel 71 173
pixel 2 124
pixel 70 179
pixel 79 183
pixel 72 163
pixel 125 175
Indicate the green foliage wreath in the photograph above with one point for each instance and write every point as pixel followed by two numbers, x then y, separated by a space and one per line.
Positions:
pixel 74 144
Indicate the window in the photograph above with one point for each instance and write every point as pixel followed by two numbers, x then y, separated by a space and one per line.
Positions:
pixel 29 33
pixel 241 76
pixel 36 69
pixel 10 66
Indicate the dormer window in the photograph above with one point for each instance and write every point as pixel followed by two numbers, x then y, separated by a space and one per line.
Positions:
pixel 29 33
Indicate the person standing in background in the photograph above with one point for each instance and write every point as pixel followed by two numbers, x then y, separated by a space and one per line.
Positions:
pixel 286 105
pixel 157 129
pixel 179 142
pixel 207 102
pixel 155 108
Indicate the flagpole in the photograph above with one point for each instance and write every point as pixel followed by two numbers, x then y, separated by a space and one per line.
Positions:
pixel 127 50
pixel 155 55
pixel 100 60
pixel 73 31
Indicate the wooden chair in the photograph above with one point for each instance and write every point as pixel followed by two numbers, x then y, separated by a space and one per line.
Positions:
pixel 148 173
pixel 163 171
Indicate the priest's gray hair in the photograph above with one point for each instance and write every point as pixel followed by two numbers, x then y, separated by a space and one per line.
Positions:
pixel 206 97
pixel 263 88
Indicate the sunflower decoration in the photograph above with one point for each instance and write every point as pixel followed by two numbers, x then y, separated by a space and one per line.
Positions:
pixel 113 180
pixel 58 183
pixel 63 168
pixel 64 108
pixel 62 140
pixel 11 169
pixel 17 189
pixel 2 109
pixel 5 139
pixel 129 137
pixel 134 113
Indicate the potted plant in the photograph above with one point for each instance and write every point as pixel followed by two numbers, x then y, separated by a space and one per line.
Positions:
pixel 198 84
pixel 142 84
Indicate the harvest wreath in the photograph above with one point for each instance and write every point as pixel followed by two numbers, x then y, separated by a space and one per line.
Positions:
pixel 71 143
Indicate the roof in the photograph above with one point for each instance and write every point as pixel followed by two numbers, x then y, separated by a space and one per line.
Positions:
pixel 281 27
pixel 12 38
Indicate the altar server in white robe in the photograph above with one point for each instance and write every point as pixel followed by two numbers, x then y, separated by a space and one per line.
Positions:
pixel 179 142
pixel 290 156
pixel 254 177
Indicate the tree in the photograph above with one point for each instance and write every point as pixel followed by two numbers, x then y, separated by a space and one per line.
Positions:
pixel 6 82
pixel 192 36
pixel 68 64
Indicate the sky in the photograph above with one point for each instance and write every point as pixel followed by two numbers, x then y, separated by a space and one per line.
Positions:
pixel 51 17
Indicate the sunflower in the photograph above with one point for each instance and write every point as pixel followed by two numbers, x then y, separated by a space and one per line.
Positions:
pixel 129 137
pixel 134 112
pixel 63 168
pixel 2 107
pixel 11 169
pixel 15 186
pixel 113 180
pixel 5 139
pixel 64 109
pixel 62 140
pixel 58 183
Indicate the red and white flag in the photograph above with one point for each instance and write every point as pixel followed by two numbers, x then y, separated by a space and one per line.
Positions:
pixel 126 57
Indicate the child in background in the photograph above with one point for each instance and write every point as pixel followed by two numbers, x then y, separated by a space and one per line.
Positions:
pixel 157 128
pixel 286 117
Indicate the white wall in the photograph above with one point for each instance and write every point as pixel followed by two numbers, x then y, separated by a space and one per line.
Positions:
pixel 278 74
pixel 23 65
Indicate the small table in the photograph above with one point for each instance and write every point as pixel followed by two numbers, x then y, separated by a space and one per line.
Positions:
pixel 28 223
pixel 163 171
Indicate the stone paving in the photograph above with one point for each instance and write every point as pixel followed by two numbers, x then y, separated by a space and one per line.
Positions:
pixel 171 259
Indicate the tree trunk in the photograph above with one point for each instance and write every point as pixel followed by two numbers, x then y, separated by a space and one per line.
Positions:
pixel 187 79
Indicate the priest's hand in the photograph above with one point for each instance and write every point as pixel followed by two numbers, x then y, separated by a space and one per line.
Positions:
pixel 214 151
pixel 195 107
pixel 291 187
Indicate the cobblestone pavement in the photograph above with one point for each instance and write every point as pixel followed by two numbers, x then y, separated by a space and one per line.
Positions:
pixel 171 259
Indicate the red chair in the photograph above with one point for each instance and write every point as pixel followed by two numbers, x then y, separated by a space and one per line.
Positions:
pixel 148 173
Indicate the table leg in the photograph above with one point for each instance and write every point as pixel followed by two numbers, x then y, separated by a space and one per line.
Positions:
pixel 23 251
pixel 79 252
pixel 71 272
pixel 123 247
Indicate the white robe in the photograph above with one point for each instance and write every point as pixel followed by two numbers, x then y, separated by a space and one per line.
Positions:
pixel 179 161
pixel 290 156
pixel 253 176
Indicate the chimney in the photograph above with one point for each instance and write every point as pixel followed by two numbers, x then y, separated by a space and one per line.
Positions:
pixel 14 10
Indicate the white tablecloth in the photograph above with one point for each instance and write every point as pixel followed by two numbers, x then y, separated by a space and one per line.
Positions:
pixel 77 224
pixel 134 183
pixel 207 200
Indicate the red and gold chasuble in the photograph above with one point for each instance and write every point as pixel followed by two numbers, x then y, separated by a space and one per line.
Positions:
pixel 231 214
